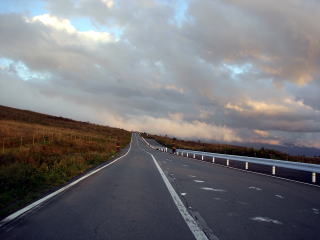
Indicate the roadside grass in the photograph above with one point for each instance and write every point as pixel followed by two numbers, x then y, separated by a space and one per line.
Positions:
pixel 231 149
pixel 35 158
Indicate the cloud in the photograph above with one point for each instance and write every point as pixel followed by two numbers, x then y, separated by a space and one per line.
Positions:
pixel 175 126
pixel 261 133
pixel 233 70
pixel 108 3
pixel 64 25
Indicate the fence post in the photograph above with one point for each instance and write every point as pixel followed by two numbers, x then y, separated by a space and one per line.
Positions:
pixel 273 170
pixel 194 155
pixel 202 157
pixel 227 162
pixel 212 159
pixel 314 177
pixel 247 165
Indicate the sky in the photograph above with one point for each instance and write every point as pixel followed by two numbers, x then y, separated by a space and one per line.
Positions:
pixel 240 71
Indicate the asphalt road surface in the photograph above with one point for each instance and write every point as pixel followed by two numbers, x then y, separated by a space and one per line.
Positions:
pixel 140 197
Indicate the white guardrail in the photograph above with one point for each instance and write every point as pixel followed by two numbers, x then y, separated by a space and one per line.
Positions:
pixel 308 167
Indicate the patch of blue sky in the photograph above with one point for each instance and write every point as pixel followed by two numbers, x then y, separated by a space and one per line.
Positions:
pixel 19 69
pixel 236 70
pixel 83 24
pixel 5 63
pixel 30 7
pixel 180 11
pixel 37 7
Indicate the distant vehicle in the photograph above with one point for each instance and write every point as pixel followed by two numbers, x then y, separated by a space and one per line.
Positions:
pixel 174 149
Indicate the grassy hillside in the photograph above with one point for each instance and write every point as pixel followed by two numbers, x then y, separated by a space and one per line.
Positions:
pixel 231 149
pixel 39 152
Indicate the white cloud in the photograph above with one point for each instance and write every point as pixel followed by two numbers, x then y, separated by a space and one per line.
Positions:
pixel 54 22
pixel 261 133
pixel 63 24
pixel 232 70
pixel 108 3
pixel 175 126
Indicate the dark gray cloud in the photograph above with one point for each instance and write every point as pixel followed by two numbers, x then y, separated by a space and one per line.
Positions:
pixel 234 70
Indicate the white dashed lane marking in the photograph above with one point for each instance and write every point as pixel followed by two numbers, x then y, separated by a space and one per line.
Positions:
pixel 315 211
pixel 266 219
pixel 255 188
pixel 198 181
pixel 213 189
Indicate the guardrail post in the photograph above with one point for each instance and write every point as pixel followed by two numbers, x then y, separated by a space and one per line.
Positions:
pixel 273 170
pixel 227 162
pixel 194 155
pixel 247 165
pixel 314 177
pixel 212 159
pixel 202 157
pixel 187 154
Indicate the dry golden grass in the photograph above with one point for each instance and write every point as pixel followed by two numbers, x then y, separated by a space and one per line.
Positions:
pixel 19 134
pixel 38 152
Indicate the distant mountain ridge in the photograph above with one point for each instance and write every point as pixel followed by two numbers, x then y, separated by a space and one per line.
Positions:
pixel 289 149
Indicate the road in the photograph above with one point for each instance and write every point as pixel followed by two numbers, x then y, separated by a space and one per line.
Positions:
pixel 131 199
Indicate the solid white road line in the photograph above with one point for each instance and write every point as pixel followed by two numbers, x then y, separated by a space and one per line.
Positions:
pixel 192 224
pixel 51 195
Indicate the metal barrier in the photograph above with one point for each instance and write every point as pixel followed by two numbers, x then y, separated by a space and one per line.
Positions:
pixel 308 167
pixel 314 169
